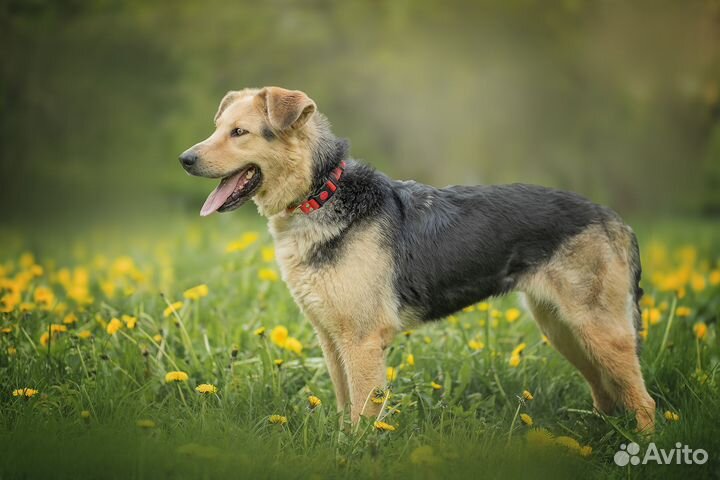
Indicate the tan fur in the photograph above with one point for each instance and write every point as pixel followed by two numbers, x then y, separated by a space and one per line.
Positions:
pixel 285 163
pixel 350 304
pixel 580 300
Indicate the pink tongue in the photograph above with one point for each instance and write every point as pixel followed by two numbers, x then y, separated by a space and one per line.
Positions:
pixel 220 195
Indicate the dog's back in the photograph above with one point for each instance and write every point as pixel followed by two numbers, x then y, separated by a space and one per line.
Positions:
pixel 457 245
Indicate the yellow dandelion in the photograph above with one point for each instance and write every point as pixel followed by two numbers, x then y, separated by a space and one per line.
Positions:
pixel 519 349
pixel 206 388
pixel 651 316
pixel 697 282
pixel 539 437
pixel 410 359
pixel 494 313
pixel 243 243
pixel 585 451
pixel 515 355
pixel 294 345
pixel 259 332
pixel 278 362
pixel 435 386
pixel 114 326
pixel 145 423
pixel 476 345
pixel 267 254
pixel 279 336
pixel 6 330
pixel 683 312
pixel 469 308
pixel 383 427
pixel 176 376
pixel 11 351
pixel 714 278
pixel 197 292
pixel 527 395
pixel 26 307
pixel 512 314
pixel 84 335
pixel 453 320
pixel 174 307
pixel 268 275
pixel 700 329
pixel 85 414
pixel 568 442
pixel 483 306
pixel 57 328
pixel 25 392
pixel 671 416
pixel 54 330
pixel 526 419
pixel 314 402
pixel 278 419
pixel 378 396
pixel 130 322
pixel 8 302
pixel 391 374
pixel 158 338
pixel 108 288
pixel 427 340
pixel 70 319
pixel 44 297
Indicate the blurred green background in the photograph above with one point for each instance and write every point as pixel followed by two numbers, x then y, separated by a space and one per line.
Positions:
pixel 619 101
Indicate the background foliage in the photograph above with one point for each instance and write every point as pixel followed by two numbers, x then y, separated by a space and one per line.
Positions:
pixel 619 101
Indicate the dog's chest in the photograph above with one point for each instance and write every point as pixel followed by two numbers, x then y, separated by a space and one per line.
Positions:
pixel 354 287
pixel 292 252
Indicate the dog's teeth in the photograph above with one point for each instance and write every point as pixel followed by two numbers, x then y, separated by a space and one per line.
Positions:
pixel 249 174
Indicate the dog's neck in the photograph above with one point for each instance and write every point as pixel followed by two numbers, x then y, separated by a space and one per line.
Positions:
pixel 329 154
pixel 329 151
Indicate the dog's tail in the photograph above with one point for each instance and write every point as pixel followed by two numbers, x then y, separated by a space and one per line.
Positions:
pixel 636 291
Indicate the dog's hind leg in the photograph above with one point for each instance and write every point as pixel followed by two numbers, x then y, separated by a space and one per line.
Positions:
pixel 565 341
pixel 613 349
pixel 591 282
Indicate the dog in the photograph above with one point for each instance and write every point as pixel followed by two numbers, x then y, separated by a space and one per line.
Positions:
pixel 365 256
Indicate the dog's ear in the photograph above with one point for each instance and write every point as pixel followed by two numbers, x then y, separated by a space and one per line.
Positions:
pixel 225 102
pixel 285 109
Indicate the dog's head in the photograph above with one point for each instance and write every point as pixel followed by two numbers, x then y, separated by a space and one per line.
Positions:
pixel 261 149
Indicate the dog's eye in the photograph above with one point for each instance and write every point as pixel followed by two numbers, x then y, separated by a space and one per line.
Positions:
pixel 238 132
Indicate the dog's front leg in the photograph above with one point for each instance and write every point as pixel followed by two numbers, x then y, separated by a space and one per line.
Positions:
pixel 334 366
pixel 364 360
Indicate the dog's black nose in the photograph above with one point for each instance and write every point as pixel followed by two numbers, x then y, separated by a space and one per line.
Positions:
pixel 188 159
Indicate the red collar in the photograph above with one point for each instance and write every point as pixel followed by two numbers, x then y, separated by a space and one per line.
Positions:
pixel 325 193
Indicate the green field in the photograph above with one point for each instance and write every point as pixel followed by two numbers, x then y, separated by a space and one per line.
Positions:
pixel 86 325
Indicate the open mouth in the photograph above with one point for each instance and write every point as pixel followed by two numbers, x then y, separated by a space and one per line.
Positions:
pixel 233 191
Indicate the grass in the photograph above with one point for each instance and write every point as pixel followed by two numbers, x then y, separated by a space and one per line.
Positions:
pixel 104 409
